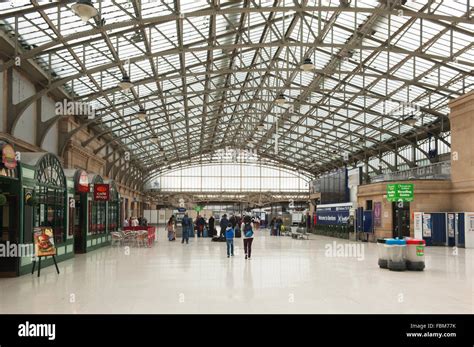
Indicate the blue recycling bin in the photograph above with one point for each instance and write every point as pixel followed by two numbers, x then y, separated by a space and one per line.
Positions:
pixel 397 254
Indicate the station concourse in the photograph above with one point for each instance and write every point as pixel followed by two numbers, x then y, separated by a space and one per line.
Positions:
pixel 237 156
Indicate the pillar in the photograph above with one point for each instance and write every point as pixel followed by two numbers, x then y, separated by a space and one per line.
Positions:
pixel 462 152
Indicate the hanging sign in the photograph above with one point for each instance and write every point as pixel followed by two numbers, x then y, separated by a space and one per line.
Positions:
pixel 101 192
pixel 9 157
pixel 400 192
pixel 198 208
pixel 82 182
pixel 44 242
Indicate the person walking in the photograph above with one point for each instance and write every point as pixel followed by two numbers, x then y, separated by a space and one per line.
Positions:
pixel 125 223
pixel 170 227
pixel 248 235
pixel 279 223
pixel 229 239
pixel 187 224
pixel 223 224
pixel 237 227
pixel 211 226
pixel 273 226
pixel 308 222
pixel 200 222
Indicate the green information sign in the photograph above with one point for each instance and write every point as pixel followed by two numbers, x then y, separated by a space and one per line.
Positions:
pixel 198 208
pixel 400 192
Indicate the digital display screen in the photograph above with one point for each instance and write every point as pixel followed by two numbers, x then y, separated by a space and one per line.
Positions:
pixel 334 187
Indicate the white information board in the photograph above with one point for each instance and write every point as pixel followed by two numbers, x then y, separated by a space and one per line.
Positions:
pixel 469 229
pixel 154 217
pixel 418 225
pixel 162 216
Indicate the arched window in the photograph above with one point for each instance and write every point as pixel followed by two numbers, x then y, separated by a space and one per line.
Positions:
pixel 239 177
pixel 51 194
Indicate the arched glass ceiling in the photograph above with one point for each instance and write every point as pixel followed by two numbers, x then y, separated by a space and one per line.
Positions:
pixel 208 73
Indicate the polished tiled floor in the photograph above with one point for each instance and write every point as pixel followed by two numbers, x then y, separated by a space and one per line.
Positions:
pixel 284 276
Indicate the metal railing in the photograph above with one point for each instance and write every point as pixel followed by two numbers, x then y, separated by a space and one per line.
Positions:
pixel 439 171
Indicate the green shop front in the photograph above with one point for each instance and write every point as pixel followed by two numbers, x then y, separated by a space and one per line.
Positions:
pixel 97 234
pixel 44 193
pixel 78 206
pixel 113 207
pixel 11 205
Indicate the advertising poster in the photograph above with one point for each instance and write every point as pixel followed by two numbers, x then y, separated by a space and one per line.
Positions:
pixel 333 215
pixel 44 242
pixel 418 224
pixel 426 224
pixel 451 224
pixel 378 214
pixel 469 229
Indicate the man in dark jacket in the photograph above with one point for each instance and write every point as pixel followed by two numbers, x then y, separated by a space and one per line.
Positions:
pixel 233 221
pixel 187 224
pixel 201 223
pixel 211 225
pixel 223 224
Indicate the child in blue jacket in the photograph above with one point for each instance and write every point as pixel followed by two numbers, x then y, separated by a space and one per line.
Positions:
pixel 229 237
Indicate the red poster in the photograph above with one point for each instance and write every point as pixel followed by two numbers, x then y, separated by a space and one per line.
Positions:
pixel 82 184
pixel 101 192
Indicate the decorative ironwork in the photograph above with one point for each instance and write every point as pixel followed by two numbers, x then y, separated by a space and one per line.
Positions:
pixel 50 172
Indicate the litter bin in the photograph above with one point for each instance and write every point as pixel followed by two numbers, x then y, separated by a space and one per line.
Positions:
pixel 415 254
pixel 382 251
pixel 396 251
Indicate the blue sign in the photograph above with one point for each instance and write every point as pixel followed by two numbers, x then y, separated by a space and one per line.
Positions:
pixel 335 215
pixel 181 209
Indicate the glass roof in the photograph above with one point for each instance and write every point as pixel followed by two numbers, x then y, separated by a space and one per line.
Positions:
pixel 208 73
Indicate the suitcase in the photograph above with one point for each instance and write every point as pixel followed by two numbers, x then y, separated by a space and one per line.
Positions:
pixel 204 233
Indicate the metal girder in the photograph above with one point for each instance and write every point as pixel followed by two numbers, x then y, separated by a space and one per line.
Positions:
pixel 222 11
pixel 216 101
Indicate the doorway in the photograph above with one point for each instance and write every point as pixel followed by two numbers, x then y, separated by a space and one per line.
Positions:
pixel 9 230
pixel 79 226
pixel 401 219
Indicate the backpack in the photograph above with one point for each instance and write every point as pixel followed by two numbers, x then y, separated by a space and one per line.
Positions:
pixel 248 232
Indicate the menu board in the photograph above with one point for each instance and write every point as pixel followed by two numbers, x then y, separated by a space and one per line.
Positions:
pixel 44 242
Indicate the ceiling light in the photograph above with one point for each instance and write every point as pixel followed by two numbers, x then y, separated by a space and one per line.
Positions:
pixel 161 150
pixel 280 100
pixel 84 9
pixel 307 65
pixel 410 120
pixel 125 83
pixel 141 114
